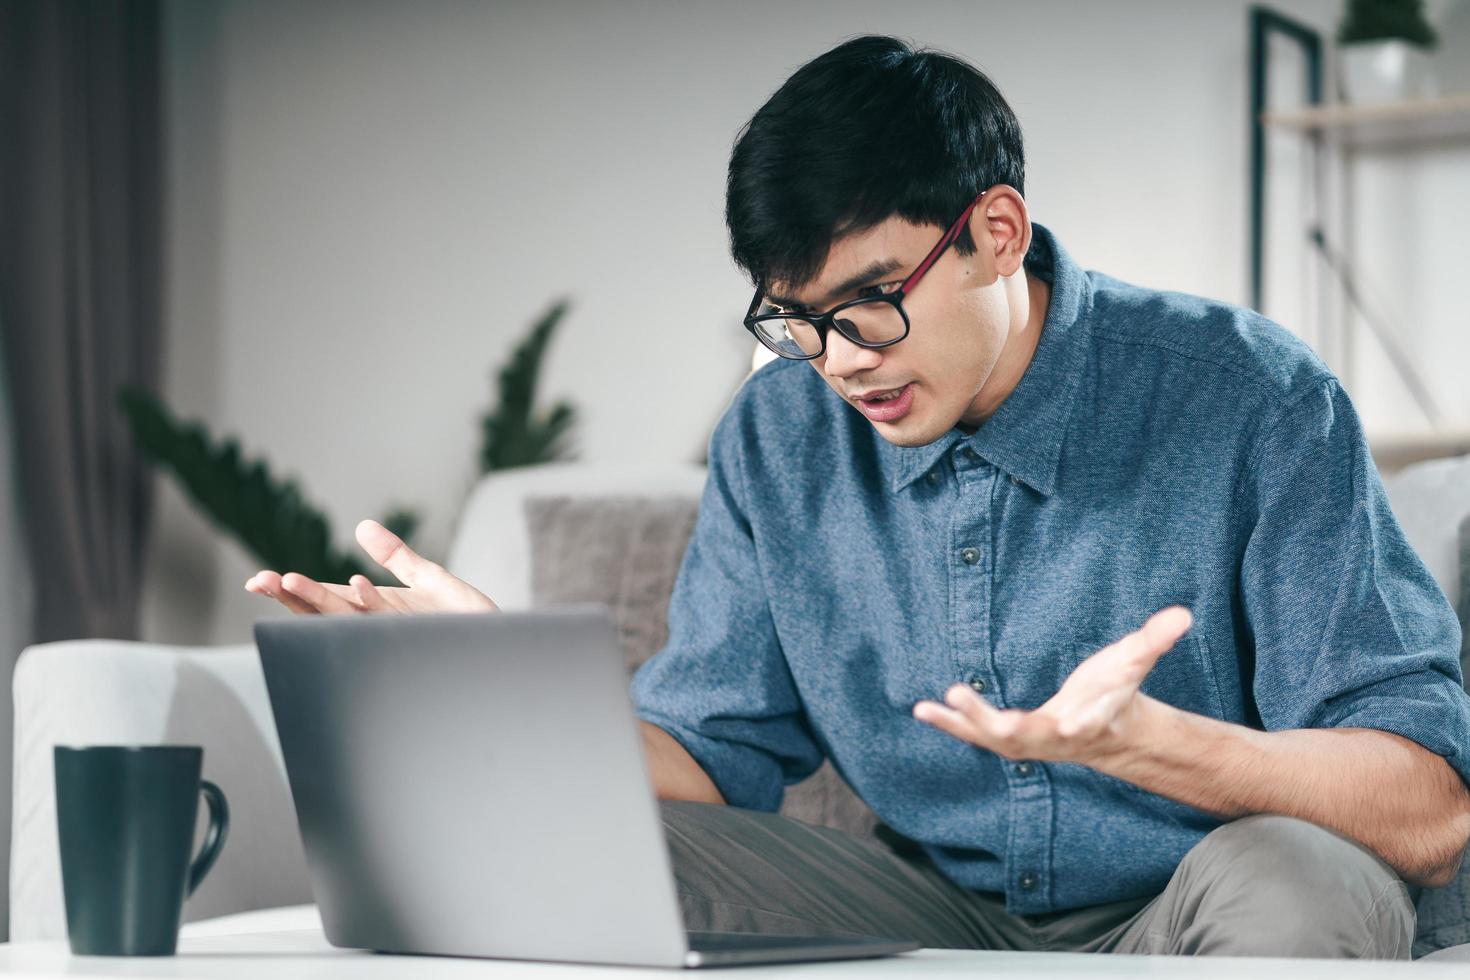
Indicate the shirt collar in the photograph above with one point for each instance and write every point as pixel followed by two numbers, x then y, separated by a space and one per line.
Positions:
pixel 1024 436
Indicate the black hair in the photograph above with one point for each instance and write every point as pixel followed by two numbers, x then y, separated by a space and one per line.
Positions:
pixel 871 129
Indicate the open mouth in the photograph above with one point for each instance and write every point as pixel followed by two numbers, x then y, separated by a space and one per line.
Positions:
pixel 890 406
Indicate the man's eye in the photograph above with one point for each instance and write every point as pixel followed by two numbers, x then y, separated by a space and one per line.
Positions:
pixel 879 290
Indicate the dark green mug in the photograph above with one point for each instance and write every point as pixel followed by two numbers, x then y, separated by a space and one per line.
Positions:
pixel 125 816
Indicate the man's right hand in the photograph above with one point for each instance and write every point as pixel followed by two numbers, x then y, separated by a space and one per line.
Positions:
pixel 427 587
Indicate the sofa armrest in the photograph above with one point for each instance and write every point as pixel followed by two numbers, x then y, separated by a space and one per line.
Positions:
pixel 113 692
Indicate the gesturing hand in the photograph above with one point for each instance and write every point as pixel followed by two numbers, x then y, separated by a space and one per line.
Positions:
pixel 1088 719
pixel 426 588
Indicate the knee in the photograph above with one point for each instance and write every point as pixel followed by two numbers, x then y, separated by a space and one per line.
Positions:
pixel 1274 851
pixel 1277 885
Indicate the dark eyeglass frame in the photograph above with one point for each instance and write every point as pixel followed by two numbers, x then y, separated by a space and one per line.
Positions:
pixel 821 322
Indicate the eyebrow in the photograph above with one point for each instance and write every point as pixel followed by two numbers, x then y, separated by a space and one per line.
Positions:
pixel 875 271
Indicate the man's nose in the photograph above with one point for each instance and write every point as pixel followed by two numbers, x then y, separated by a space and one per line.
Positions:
pixel 844 358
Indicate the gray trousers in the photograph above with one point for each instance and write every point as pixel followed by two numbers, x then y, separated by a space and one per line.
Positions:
pixel 1258 886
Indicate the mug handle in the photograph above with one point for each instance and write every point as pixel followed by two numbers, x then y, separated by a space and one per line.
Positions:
pixel 214 838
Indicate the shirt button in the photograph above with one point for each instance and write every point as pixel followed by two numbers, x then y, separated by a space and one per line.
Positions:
pixel 1027 881
pixel 1015 481
pixel 933 477
pixel 970 555
pixel 978 683
pixel 1023 768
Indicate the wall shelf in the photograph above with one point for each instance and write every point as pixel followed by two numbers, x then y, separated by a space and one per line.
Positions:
pixel 1394 451
pixel 1418 121
pixel 1333 136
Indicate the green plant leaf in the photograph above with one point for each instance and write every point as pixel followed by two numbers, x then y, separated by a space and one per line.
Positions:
pixel 512 433
pixel 1386 20
pixel 269 517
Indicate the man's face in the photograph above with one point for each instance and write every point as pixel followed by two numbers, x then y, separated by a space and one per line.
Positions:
pixel 960 314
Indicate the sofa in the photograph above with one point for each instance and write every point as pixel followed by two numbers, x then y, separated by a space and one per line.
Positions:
pixel 536 536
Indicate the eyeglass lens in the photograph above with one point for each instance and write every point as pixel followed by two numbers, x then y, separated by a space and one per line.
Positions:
pixel 868 324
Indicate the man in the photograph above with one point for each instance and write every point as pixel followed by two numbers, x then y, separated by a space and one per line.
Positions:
pixel 1091 592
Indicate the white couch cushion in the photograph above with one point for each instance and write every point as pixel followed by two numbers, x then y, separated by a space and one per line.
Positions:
pixel 1430 500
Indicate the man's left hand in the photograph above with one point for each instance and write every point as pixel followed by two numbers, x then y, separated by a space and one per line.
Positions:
pixel 1087 721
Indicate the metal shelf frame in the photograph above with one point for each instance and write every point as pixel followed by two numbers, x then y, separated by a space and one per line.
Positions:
pixel 1264 24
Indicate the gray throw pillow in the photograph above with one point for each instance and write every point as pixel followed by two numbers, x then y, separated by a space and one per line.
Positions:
pixel 624 552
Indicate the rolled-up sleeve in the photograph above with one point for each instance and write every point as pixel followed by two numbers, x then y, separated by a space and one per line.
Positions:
pixel 1349 628
pixel 721 685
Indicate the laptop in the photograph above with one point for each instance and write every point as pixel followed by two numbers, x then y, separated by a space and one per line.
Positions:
pixel 473 784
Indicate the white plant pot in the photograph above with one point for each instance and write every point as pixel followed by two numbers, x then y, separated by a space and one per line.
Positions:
pixel 1384 71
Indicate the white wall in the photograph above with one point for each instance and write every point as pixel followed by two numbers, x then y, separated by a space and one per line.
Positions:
pixel 1410 228
pixel 372 200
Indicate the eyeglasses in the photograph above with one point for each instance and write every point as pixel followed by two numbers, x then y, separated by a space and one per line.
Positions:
pixel 868 321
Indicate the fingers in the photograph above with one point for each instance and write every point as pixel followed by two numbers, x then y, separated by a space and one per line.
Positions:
pixel 980 713
pixel 388 550
pixel 367 596
pixel 1009 732
pixel 1099 686
pixel 343 591
pixel 298 593
pixel 968 716
pixel 1128 661
pixel 1082 719
pixel 429 588
pixel 1166 626
pixel 267 583
pixel 315 594
pixel 1155 637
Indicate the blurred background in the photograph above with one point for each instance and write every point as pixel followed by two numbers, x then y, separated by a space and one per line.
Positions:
pixel 321 229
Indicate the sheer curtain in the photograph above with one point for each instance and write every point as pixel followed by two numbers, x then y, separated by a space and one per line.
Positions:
pixel 80 281
pixel 15 627
pixel 81 204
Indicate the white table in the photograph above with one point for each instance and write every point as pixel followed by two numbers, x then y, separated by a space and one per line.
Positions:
pixel 287 944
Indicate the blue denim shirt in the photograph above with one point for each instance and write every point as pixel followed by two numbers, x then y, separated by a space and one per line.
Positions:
pixel 1160 448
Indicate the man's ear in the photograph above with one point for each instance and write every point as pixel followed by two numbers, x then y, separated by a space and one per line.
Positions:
pixel 1001 225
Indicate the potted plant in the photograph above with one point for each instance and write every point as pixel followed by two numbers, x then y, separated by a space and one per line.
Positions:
pixel 1384 46
pixel 273 519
